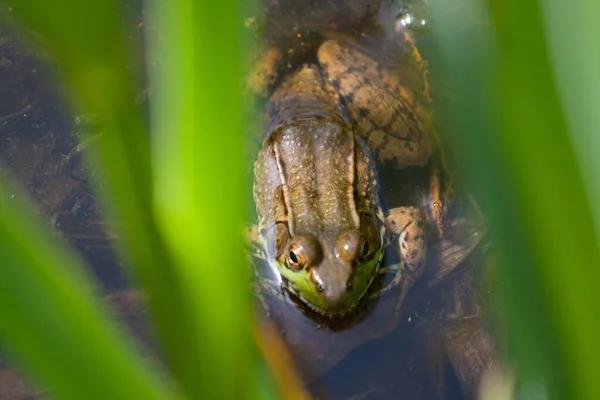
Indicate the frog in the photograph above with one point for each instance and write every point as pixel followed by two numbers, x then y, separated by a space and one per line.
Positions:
pixel 321 224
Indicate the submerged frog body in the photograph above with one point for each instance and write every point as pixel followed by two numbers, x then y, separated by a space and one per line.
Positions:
pixel 320 220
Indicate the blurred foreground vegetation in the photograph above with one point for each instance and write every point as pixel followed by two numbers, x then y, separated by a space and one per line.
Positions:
pixel 521 134
pixel 63 335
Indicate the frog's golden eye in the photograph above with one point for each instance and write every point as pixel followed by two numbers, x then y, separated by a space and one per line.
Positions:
pixel 296 257
pixel 303 251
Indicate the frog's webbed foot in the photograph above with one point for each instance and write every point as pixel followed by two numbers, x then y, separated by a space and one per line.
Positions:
pixel 408 225
pixel 386 113
pixel 397 271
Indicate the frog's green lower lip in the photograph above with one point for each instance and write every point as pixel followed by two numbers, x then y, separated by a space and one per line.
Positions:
pixel 339 312
pixel 343 308
pixel 329 312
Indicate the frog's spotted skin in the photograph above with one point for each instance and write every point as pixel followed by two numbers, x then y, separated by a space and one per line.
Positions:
pixel 383 111
pixel 316 190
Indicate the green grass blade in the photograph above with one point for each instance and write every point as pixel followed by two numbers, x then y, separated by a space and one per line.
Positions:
pixel 197 144
pixel 571 34
pixel 53 323
pixel 200 306
pixel 517 153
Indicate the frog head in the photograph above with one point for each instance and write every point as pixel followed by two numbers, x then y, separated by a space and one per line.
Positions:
pixel 329 271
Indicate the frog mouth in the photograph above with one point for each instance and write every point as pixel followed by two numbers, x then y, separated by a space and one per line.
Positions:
pixel 335 322
pixel 336 313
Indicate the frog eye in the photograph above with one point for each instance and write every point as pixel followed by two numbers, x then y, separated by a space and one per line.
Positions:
pixel 296 257
pixel 303 251
pixel 346 245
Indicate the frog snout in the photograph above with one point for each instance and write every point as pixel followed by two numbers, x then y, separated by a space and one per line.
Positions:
pixel 335 297
pixel 332 282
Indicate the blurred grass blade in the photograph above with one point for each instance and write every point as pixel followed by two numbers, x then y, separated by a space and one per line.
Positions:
pixel 517 153
pixel 52 322
pixel 199 301
pixel 88 40
pixel 572 32
pixel 199 194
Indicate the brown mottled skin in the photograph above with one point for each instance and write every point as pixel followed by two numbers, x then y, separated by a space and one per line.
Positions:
pixel 383 111
pixel 315 175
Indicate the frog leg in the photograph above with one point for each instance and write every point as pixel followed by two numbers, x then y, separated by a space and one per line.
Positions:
pixel 406 223
pixel 398 271
pixel 384 112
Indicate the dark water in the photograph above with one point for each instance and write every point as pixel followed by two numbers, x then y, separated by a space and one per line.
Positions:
pixel 39 152
pixel 376 356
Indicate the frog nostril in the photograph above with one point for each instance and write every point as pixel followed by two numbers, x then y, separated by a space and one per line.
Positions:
pixel 317 281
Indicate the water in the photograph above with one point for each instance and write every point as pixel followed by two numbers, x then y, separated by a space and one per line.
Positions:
pixel 374 356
